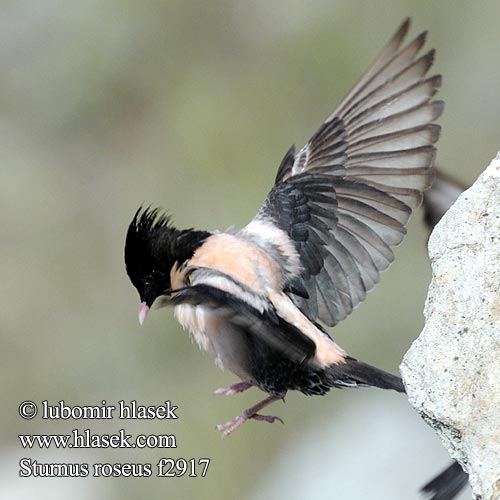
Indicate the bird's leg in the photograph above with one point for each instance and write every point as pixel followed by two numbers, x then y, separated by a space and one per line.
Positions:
pixel 234 389
pixel 251 414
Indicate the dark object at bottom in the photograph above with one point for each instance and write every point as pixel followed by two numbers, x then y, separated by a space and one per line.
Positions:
pixel 447 484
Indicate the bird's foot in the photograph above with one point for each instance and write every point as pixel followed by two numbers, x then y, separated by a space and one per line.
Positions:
pixel 267 418
pixel 233 389
pixel 229 427
pixel 250 414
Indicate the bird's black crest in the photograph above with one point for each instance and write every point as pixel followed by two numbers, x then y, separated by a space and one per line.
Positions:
pixel 148 220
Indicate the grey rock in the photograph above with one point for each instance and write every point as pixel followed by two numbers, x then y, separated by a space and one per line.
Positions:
pixel 452 371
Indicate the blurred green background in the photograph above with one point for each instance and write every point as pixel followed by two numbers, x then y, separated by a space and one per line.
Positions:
pixel 191 105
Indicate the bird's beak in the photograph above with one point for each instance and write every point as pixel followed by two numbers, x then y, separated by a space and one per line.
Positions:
pixel 143 312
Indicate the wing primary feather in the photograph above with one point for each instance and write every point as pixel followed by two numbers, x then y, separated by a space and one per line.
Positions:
pixel 399 83
pixel 379 62
pixel 414 116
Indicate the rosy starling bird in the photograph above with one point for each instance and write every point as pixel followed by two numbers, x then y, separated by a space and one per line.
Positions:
pixel 256 299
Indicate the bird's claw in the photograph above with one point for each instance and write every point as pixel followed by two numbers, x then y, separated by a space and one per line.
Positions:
pixel 267 418
pixel 229 427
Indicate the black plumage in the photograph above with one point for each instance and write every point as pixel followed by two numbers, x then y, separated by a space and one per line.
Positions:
pixel 152 246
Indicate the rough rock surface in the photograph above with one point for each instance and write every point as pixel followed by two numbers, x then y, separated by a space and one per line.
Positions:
pixel 452 371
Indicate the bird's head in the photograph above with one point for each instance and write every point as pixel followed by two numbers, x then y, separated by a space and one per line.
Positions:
pixel 149 255
pixel 152 247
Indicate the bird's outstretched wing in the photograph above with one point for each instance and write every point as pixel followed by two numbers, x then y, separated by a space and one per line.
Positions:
pixel 344 199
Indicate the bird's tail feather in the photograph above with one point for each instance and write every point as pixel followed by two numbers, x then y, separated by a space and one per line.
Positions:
pixel 354 372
